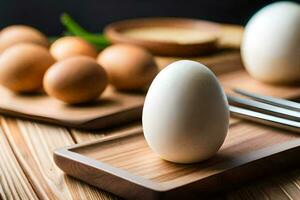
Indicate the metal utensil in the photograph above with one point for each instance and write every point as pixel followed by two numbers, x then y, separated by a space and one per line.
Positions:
pixel 266 110
pixel 270 100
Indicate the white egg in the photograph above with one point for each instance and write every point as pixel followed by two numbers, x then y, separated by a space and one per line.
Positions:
pixel 185 115
pixel 271 44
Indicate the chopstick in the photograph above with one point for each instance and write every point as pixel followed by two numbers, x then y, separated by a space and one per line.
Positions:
pixel 266 119
pixel 270 100
pixel 263 109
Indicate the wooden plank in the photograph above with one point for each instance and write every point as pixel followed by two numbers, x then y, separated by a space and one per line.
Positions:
pixel 283 186
pixel 13 182
pixel 247 193
pixel 33 144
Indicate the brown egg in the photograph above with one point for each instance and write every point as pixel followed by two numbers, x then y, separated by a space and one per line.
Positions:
pixel 16 34
pixel 23 66
pixel 129 67
pixel 75 80
pixel 68 46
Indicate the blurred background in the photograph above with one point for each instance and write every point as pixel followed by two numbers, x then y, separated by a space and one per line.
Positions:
pixel 95 14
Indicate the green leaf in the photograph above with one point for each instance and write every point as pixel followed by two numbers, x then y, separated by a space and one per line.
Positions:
pixel 72 25
pixel 73 28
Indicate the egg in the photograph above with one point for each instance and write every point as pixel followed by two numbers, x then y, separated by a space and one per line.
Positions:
pixel 75 80
pixel 16 34
pixel 271 44
pixel 23 66
pixel 186 114
pixel 69 46
pixel 129 67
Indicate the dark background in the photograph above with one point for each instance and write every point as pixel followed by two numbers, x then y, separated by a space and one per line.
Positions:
pixel 95 14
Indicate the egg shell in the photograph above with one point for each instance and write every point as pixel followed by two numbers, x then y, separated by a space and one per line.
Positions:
pixel 75 80
pixel 129 67
pixel 23 66
pixel 16 34
pixel 185 115
pixel 271 44
pixel 69 46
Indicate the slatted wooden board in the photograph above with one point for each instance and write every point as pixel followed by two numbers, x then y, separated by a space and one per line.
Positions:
pixel 125 163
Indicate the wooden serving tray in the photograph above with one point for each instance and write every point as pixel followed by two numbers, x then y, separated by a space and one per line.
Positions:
pixel 111 109
pixel 123 164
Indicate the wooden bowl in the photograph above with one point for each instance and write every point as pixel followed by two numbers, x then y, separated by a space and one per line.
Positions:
pixel 194 37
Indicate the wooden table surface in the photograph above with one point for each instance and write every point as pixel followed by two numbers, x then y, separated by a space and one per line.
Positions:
pixel 27 169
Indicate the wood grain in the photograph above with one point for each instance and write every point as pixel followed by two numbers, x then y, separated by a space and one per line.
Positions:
pixel 13 181
pixel 33 145
pixel 84 136
pixel 282 186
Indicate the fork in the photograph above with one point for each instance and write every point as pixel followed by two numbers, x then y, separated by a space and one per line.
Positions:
pixel 266 110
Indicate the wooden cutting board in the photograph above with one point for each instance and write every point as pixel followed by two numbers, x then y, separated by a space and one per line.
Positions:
pixel 112 108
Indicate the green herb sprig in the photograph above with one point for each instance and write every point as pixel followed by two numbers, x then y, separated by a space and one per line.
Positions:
pixel 73 28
